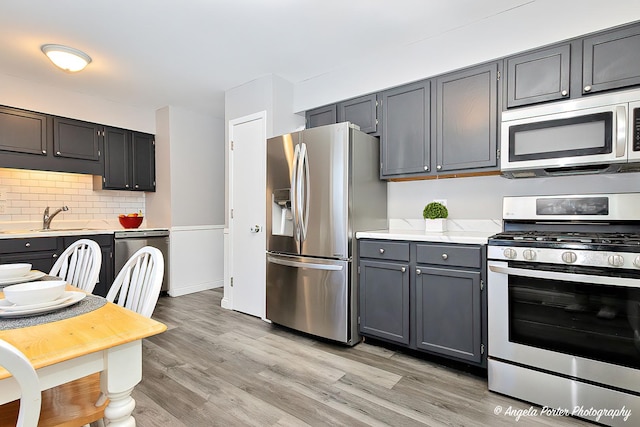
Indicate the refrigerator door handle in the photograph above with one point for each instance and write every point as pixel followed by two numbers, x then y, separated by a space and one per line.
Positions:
pixel 304 178
pixel 298 264
pixel 294 192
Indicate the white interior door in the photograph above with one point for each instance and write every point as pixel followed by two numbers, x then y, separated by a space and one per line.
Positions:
pixel 247 188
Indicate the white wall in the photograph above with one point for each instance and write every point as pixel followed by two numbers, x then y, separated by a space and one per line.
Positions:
pixel 481 197
pixel 190 197
pixel 537 23
pixel 19 93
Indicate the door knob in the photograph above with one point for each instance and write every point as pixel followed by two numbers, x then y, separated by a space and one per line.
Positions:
pixel 255 229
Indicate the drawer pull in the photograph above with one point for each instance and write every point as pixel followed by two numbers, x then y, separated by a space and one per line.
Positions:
pixel 381 250
pixel 418 271
pixel 55 255
pixel 27 245
pixel 445 256
pixel 403 269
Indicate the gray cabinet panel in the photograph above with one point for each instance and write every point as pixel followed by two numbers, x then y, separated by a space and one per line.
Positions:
pixel 76 139
pixel 467 119
pixel 538 76
pixel 397 251
pixel 384 300
pixel 23 131
pixel 40 252
pixel 143 152
pixel 611 60
pixel 105 279
pixel 406 129
pixel 448 314
pixel 361 111
pixel 321 116
pixel 116 159
pixel 454 255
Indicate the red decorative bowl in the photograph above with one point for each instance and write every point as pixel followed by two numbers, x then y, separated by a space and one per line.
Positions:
pixel 130 221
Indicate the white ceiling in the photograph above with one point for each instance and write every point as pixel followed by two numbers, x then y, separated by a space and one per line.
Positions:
pixel 187 53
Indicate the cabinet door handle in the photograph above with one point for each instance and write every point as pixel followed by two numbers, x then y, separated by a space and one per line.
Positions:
pixel 445 256
pixel 57 153
pixel 403 269
pixel 587 88
pixel 564 93
pixel 418 271
pixel 426 168
pixel 381 250
pixel 439 167
pixel 27 245
pixel 55 255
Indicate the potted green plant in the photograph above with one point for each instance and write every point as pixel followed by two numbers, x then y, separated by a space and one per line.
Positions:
pixel 435 217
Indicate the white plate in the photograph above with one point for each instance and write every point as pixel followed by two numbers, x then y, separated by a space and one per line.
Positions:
pixel 8 310
pixel 30 276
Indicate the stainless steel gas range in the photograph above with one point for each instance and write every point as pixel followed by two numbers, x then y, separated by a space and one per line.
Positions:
pixel 564 305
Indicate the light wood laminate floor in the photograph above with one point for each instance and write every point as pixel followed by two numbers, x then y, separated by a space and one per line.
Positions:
pixel 219 367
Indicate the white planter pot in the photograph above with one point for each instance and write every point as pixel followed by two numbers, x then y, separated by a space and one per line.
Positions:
pixel 435 225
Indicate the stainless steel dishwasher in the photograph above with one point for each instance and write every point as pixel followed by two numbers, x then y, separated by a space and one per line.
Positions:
pixel 129 241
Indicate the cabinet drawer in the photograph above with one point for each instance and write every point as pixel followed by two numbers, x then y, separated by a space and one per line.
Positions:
pixel 100 239
pixel 384 250
pixel 453 255
pixel 29 244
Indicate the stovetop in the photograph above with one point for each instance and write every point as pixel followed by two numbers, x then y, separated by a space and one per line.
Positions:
pixel 541 238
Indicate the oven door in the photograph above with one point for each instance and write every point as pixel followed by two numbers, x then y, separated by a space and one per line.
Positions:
pixel 577 324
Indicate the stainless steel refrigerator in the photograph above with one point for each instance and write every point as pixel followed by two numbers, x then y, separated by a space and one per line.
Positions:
pixel 323 186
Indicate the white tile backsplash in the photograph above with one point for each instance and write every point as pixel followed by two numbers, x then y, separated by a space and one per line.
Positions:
pixel 28 193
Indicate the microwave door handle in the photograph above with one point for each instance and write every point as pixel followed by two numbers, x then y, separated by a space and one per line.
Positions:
pixel 554 275
pixel 621 130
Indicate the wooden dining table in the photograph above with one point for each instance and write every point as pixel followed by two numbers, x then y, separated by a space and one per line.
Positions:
pixel 106 340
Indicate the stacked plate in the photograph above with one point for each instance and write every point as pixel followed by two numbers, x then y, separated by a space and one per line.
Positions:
pixel 8 309
pixel 18 273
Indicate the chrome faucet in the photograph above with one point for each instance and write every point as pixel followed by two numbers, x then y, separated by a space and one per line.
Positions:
pixel 46 218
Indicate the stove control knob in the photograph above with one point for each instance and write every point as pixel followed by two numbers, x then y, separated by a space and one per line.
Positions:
pixel 569 257
pixel 529 254
pixel 616 260
pixel 510 253
pixel 636 261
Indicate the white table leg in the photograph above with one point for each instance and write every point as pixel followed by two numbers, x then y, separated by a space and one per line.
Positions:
pixel 122 372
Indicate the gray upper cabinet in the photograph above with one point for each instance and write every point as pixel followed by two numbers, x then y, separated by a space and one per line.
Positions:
pixel 538 76
pixel 23 132
pixel 321 116
pixel 362 111
pixel 406 130
pixel 76 139
pixel 467 119
pixel 611 60
pixel 129 160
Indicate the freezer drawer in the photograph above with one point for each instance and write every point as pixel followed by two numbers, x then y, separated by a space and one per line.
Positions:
pixel 309 294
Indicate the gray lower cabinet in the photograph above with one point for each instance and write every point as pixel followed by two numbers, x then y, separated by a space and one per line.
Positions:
pixel 362 111
pixel 538 76
pixel 321 116
pixel 405 144
pixel 611 60
pixel 425 296
pixel 467 119
pixel 448 312
pixel 41 252
pixel 384 300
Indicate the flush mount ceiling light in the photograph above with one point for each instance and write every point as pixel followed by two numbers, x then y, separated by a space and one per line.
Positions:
pixel 66 58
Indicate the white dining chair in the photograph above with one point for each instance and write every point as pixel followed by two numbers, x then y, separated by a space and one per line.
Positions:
pixel 137 285
pixel 79 264
pixel 19 366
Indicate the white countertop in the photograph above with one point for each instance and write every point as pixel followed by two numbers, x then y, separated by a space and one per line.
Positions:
pixel 474 232
pixel 62 228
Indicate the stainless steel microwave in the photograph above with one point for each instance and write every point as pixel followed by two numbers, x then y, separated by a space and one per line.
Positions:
pixel 595 134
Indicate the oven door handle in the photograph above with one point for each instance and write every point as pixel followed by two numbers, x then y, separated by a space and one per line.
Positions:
pixel 568 277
